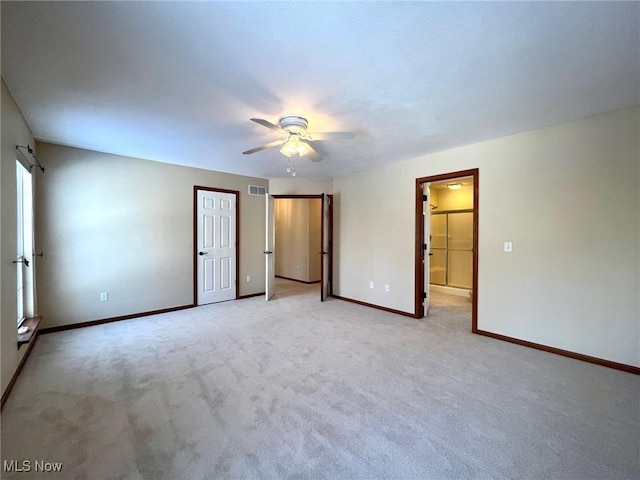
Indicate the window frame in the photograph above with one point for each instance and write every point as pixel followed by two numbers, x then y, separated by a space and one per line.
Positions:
pixel 24 241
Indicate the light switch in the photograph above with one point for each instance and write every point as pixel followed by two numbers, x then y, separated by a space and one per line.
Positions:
pixel 508 247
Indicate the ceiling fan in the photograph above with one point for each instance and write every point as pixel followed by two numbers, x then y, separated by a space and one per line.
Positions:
pixel 296 141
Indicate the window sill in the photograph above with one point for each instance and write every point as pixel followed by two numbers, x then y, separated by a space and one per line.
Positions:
pixel 31 323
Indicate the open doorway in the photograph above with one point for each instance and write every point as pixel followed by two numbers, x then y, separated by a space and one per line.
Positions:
pixel 302 246
pixel 447 245
pixel 297 239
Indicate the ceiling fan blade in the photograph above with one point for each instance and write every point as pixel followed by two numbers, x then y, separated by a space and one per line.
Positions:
pixel 268 124
pixel 330 136
pixel 265 146
pixel 311 153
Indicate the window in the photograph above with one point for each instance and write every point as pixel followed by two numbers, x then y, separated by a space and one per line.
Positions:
pixel 24 232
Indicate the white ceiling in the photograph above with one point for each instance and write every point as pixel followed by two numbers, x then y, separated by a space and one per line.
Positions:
pixel 178 82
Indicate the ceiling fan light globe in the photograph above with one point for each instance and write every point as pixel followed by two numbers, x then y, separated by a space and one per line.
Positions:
pixel 303 149
pixel 292 146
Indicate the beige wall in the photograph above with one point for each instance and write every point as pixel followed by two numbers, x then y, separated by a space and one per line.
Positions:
pixel 447 199
pixel 315 235
pixel 123 225
pixel 297 238
pixel 299 186
pixel 566 196
pixel 292 238
pixel 15 131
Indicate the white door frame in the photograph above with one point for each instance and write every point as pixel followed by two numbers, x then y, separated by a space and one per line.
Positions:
pixel 197 188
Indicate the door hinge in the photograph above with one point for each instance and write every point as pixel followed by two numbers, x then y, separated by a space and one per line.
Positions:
pixel 424 246
pixel 424 295
pixel 425 198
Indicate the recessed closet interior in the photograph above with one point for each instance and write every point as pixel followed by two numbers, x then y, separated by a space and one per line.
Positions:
pixel 297 238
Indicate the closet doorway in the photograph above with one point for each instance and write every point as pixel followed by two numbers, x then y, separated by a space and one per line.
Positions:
pixel 302 241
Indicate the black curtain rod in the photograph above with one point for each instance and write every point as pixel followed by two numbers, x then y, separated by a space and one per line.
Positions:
pixel 30 152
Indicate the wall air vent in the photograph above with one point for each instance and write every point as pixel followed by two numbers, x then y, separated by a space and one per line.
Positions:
pixel 257 190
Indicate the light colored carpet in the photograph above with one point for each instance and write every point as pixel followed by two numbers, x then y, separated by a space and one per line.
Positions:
pixel 296 388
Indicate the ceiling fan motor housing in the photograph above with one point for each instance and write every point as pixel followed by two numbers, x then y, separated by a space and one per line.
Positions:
pixel 293 124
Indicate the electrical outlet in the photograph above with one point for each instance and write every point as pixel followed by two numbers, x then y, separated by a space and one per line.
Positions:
pixel 386 287
pixel 508 247
pixel 371 285
pixel 104 297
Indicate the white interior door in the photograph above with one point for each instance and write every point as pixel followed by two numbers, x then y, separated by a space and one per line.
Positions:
pixel 216 246
pixel 325 270
pixel 426 211
pixel 269 248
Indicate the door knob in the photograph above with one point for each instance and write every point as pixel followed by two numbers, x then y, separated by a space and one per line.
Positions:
pixel 268 252
pixel 202 253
